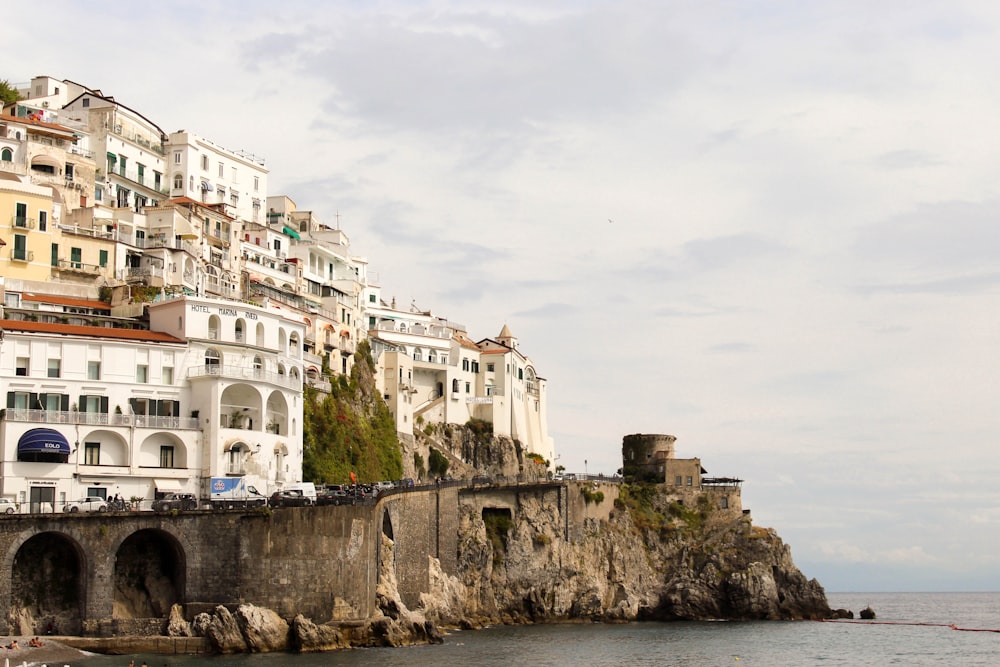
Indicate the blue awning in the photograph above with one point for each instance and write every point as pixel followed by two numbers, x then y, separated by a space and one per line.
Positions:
pixel 43 441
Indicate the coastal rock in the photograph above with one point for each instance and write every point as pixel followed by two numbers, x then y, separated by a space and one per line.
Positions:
pixel 657 562
pixel 177 625
pixel 224 633
pixel 263 630
pixel 309 637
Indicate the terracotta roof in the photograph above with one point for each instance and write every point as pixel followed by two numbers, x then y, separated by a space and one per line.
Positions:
pixel 91 332
pixel 495 351
pixel 465 342
pixel 66 301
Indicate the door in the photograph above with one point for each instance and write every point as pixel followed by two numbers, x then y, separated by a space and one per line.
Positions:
pixel 42 499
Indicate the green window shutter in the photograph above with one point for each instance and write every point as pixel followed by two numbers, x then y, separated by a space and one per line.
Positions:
pixel 103 258
pixel 104 405
pixel 55 254
pixel 82 403
pixel 64 403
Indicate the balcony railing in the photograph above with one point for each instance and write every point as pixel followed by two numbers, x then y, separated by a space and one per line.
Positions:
pixel 22 222
pixel 318 384
pixel 79 267
pixel 243 373
pixel 76 150
pixel 99 419
pixel 22 255
pixel 139 273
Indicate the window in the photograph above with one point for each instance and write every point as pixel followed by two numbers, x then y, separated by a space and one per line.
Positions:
pixel 678 481
pixel 142 373
pixel 177 157
pixel 93 370
pixel 94 404
pixel 68 171
pixel 371 298
pixel 166 456
pixel 222 169
pixel 725 502
pixel 43 220
pixel 102 260
pixel 178 181
pixel 256 183
pixel 123 162
pixel 54 255
pixel 21 367
pixel 142 173
pixel 475 366
pixel 168 375
pixel 76 257
pixel 54 368
pixel 20 247
pixel 690 480
pixel 465 364
pixel 489 368
pixel 204 163
pixel 211 358
pixel 235 179
pixel 86 102
pixel 157 177
pixel 454 386
pixel 371 321
pixel 98 193
pixel 7 155
pixel 92 453
pixel 468 388
pixel 520 373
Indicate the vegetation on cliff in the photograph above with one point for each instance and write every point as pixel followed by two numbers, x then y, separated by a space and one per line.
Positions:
pixel 350 429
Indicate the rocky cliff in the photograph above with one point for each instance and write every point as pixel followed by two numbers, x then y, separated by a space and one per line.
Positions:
pixel 651 559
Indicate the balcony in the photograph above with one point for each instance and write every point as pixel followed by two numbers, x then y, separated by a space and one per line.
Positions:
pixel 319 384
pixel 21 255
pixel 76 150
pixel 75 266
pixel 139 274
pixel 243 373
pixel 21 222
pixel 99 419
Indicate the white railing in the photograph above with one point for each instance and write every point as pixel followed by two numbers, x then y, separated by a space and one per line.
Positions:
pixel 99 419
pixel 243 373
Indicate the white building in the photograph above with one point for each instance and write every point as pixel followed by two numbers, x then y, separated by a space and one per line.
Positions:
pixel 207 172
pixel 97 406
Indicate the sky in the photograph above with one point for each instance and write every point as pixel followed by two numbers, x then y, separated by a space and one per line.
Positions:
pixel 767 228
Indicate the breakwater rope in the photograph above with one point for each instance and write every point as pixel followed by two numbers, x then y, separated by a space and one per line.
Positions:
pixel 929 625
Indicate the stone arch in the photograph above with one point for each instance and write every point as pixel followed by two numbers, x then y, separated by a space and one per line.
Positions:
pixel 114 449
pixel 151 450
pixel 215 327
pixel 48 585
pixel 277 413
pixel 150 575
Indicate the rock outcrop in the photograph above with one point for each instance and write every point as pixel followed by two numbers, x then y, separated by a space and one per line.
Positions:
pixel 653 559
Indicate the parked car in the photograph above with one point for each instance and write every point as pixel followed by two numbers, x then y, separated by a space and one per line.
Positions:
pixel 175 501
pixel 293 498
pixel 8 506
pixel 88 504
pixel 330 496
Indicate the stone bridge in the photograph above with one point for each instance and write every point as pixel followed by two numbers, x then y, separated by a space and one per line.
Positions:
pixel 119 574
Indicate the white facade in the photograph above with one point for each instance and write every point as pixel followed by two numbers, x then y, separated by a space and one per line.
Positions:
pixel 206 172
pixel 112 395
pixel 243 365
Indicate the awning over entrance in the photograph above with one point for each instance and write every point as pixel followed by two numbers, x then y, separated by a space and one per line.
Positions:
pixel 43 441
pixel 167 485
pixel 291 232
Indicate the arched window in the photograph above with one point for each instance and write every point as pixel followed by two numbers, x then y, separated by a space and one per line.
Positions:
pixel 214 326
pixel 260 334
pixel 212 358
pixel 418 354
pixel 432 357
pixel 258 363
pixel 454 386
pixel 178 181
pixel 239 330
pixel 7 155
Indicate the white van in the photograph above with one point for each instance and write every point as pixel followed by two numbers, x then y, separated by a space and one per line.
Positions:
pixel 307 489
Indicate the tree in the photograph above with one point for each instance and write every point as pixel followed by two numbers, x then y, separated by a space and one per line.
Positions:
pixel 8 93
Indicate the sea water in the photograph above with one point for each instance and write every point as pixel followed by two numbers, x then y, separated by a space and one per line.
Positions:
pixel 912 629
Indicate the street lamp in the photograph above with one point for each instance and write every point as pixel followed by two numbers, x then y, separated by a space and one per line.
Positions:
pixel 585 467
